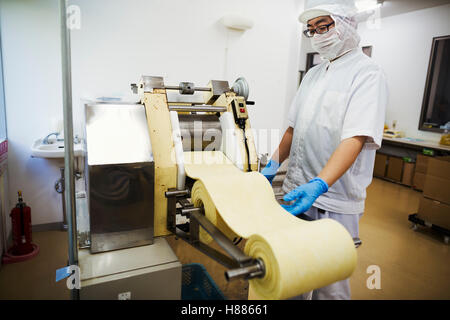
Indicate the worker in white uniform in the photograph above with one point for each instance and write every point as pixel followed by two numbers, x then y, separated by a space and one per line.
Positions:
pixel 336 123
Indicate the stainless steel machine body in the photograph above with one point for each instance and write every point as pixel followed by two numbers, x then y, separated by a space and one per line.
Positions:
pixel 139 273
pixel 119 177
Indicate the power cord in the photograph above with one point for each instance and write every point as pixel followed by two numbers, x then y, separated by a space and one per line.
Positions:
pixel 241 124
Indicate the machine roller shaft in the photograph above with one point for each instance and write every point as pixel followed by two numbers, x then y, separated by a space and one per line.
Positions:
pixel 197 108
pixel 257 269
pixel 183 87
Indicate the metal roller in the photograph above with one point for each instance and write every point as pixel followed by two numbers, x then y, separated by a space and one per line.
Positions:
pixel 196 108
pixel 200 132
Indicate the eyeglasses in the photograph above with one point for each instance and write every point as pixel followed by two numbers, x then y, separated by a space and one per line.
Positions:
pixel 319 30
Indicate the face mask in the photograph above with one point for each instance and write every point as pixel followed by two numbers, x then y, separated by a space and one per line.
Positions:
pixel 338 40
pixel 328 45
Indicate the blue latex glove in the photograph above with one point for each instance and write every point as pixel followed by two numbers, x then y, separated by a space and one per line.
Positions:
pixel 270 170
pixel 305 195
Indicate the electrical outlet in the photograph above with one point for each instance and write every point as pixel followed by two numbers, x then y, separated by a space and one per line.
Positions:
pixel 125 296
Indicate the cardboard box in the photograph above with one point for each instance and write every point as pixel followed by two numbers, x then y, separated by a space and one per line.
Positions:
pixel 437 181
pixel 437 188
pixel 439 167
pixel 435 212
pixel 408 173
pixel 395 168
pixel 379 169
pixel 422 163
pixel 419 180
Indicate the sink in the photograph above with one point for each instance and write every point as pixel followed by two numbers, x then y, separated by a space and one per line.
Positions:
pixel 54 150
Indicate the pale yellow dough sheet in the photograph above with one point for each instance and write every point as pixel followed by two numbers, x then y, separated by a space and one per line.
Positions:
pixel 299 256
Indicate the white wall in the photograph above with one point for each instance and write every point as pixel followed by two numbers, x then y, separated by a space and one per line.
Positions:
pixel 184 41
pixel 31 61
pixel 119 41
pixel 402 46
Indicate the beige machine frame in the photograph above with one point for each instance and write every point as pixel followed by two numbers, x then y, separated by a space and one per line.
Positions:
pixel 161 136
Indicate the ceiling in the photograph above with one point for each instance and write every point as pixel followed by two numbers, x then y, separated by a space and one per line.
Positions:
pixel 394 7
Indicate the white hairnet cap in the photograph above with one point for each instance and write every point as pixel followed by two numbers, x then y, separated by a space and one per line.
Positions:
pixel 317 8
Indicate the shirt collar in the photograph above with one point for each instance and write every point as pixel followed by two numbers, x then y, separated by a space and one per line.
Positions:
pixel 342 59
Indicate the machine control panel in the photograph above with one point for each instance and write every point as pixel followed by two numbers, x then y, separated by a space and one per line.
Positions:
pixel 239 108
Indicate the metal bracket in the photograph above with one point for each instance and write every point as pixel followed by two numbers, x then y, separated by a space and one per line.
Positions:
pixel 148 83
pixel 172 196
pixel 241 265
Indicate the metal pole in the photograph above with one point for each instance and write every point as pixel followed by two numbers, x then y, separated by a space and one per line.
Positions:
pixel 68 142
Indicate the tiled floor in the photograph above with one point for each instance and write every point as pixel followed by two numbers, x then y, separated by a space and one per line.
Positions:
pixel 413 264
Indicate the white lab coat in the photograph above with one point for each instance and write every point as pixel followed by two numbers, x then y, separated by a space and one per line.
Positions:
pixel 336 101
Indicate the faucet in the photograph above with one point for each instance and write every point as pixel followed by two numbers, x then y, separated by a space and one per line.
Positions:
pixel 76 139
pixel 45 141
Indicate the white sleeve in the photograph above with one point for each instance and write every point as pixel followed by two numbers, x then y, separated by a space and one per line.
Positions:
pixel 365 114
pixel 293 110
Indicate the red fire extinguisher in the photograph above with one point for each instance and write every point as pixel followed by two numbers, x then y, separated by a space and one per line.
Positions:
pixel 21 228
pixel 22 248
